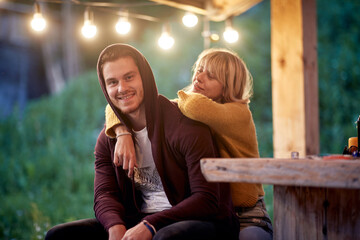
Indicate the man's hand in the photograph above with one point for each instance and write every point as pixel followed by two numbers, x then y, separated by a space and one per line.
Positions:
pixel 124 154
pixel 117 232
pixel 139 232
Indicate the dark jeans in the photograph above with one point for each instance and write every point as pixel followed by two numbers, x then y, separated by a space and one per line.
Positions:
pixel 91 229
pixel 255 223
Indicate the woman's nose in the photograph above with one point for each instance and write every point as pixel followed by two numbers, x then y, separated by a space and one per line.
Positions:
pixel 200 76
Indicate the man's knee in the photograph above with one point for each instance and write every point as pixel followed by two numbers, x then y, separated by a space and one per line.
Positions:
pixel 166 233
pixel 189 230
pixel 53 233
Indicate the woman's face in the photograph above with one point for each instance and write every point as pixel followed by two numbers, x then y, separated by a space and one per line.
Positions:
pixel 205 83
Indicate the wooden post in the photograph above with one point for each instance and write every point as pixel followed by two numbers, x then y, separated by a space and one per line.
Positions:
pixel 295 115
pixel 294 77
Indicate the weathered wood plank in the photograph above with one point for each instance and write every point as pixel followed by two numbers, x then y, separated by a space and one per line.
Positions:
pixel 343 214
pixel 316 213
pixel 298 213
pixel 291 172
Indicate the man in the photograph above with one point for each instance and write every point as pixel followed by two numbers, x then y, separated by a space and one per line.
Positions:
pixel 167 197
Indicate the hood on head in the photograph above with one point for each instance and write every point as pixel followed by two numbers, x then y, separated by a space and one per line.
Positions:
pixel 116 51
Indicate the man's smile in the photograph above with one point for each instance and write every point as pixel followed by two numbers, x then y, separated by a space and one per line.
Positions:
pixel 126 96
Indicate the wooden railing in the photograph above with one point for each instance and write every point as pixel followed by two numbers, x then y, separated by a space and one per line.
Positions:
pixel 313 198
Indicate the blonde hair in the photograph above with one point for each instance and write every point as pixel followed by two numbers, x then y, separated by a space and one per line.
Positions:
pixel 230 70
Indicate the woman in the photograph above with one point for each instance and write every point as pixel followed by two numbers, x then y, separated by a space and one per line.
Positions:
pixel 219 97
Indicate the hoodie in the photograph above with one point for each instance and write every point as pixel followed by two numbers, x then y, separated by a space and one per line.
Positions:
pixel 177 143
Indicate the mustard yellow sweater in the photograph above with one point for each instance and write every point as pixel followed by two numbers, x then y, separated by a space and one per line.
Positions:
pixel 110 121
pixel 233 128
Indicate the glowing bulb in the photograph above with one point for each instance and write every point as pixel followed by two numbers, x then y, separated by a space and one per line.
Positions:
pixel 123 26
pixel 38 23
pixel 190 19
pixel 88 30
pixel 166 41
pixel 230 35
pixel 214 37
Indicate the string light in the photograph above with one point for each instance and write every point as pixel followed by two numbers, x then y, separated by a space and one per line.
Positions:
pixel 38 23
pixel 89 29
pixel 214 37
pixel 230 34
pixel 166 41
pixel 190 20
pixel 123 26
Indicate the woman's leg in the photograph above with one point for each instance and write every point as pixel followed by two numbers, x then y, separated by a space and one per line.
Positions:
pixel 255 222
pixel 254 233
pixel 82 229
pixel 189 230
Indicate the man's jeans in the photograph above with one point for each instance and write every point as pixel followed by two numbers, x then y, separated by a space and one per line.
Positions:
pixel 91 229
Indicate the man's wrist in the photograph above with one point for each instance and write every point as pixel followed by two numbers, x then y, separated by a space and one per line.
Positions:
pixel 149 226
pixel 117 228
pixel 119 129
pixel 122 134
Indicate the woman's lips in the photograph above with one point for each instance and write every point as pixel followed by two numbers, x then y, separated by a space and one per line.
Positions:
pixel 197 87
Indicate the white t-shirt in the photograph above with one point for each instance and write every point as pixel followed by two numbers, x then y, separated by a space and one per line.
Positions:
pixel 147 178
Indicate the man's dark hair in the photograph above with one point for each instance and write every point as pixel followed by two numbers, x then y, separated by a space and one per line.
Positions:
pixel 114 53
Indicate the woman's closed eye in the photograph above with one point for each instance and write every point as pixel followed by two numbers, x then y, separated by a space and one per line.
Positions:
pixel 200 69
pixel 211 76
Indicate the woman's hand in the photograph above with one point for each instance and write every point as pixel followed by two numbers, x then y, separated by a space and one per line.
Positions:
pixel 124 154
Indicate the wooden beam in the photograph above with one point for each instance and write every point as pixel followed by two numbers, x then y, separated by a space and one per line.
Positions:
pixel 311 78
pixel 305 172
pixel 220 10
pixel 215 10
pixel 294 77
pixel 198 7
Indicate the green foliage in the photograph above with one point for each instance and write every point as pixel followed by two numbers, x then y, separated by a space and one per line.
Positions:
pixel 269 200
pixel 339 72
pixel 47 160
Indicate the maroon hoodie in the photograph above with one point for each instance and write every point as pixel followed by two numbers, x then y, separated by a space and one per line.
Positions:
pixel 178 143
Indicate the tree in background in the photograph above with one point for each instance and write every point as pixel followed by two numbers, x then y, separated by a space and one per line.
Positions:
pixel 339 72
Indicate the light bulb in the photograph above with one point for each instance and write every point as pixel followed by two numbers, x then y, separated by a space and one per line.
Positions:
pixel 88 30
pixel 123 26
pixel 38 23
pixel 166 41
pixel 214 37
pixel 190 19
pixel 230 35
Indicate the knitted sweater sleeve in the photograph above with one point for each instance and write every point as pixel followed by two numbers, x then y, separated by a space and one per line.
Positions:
pixel 217 116
pixel 111 120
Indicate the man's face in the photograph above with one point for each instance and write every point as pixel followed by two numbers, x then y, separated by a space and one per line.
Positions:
pixel 124 85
